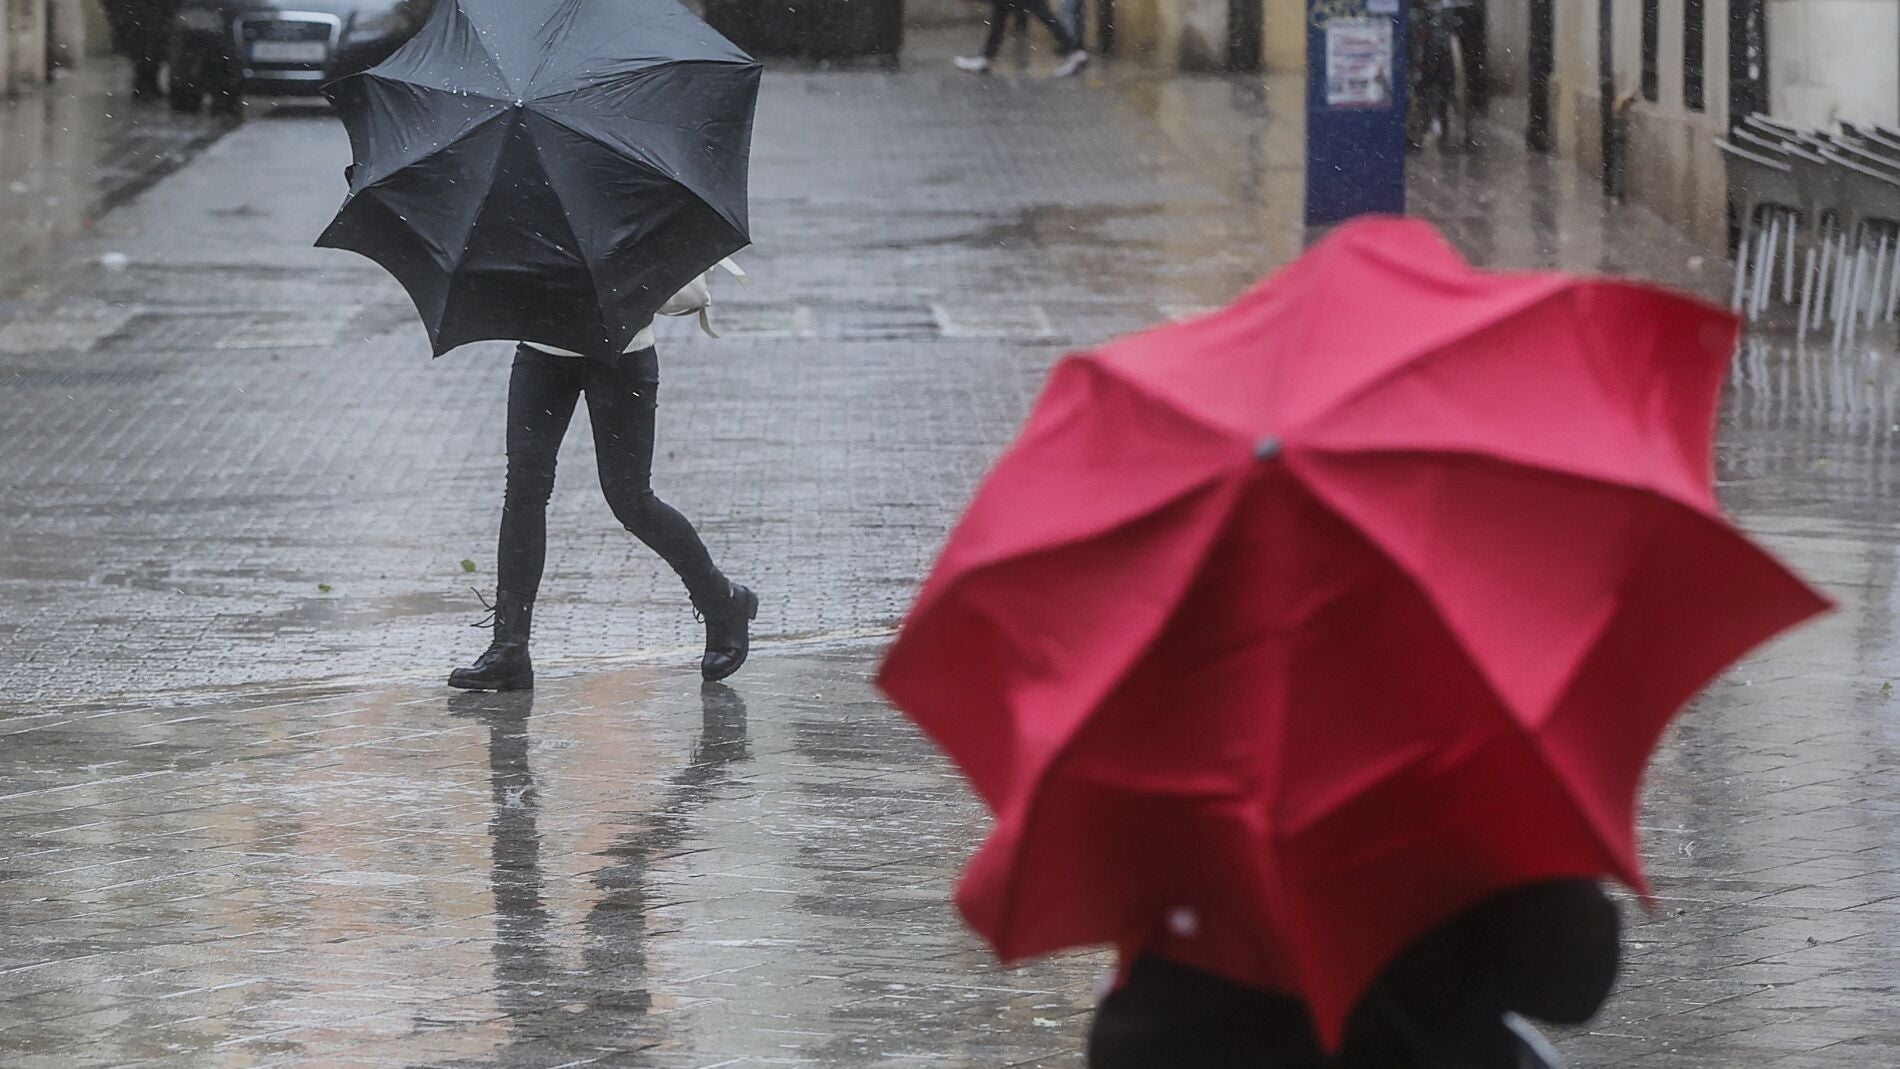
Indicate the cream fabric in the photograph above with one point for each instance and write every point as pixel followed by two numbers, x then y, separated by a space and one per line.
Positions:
pixel 695 298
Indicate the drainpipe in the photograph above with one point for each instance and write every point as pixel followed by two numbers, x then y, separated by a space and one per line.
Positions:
pixel 1606 88
pixel 1542 51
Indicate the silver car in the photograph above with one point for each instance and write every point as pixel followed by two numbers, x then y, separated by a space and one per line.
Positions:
pixel 224 49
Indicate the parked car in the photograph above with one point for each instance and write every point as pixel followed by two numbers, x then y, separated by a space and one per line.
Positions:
pixel 225 49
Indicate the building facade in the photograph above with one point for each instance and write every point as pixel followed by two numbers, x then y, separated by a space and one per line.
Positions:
pixel 1635 91
pixel 1638 90
pixel 37 36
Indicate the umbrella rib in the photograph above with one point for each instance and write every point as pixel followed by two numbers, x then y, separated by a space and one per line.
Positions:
pixel 567 13
pixel 1653 522
pixel 374 75
pixel 1158 399
pixel 653 165
pixel 1061 751
pixel 1599 834
pixel 495 64
pixel 447 144
pixel 587 265
pixel 1539 465
pixel 642 72
pixel 1556 286
pixel 468 238
pixel 571 128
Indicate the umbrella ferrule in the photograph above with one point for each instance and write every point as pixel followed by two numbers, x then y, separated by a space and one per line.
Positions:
pixel 1267 448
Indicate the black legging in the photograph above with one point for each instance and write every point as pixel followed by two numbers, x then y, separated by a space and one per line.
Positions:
pixel 622 397
pixel 1000 11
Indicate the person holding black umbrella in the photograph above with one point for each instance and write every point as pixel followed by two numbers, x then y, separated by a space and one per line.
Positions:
pixel 558 172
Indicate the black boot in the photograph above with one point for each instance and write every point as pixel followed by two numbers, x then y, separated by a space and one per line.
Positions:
pixel 505 665
pixel 728 631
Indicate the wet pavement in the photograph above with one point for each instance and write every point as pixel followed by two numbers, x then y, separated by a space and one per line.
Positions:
pixel 241 824
pixel 622 869
pixel 75 150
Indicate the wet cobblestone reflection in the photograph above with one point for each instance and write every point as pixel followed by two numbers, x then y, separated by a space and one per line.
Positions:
pixel 625 868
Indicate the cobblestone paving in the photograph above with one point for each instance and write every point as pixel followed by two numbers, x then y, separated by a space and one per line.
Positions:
pixel 236 422
pixel 232 465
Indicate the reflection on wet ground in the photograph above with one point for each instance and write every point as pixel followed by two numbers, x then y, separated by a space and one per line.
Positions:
pixel 625 868
pixel 629 869
pixel 1811 429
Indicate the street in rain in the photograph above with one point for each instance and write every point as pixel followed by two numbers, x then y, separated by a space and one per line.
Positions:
pixel 973 533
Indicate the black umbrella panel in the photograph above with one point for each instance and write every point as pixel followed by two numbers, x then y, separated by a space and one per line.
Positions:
pixel 548 170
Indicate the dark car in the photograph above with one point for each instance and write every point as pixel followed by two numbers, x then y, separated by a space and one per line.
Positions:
pixel 227 48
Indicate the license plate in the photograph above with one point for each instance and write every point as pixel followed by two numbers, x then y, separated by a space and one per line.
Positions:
pixel 289 51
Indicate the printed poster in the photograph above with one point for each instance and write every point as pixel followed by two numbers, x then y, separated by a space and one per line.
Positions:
pixel 1359 63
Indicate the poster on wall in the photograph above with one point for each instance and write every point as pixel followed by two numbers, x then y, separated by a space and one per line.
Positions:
pixel 1359 63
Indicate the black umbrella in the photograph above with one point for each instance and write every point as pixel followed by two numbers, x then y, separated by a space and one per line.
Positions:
pixel 548 170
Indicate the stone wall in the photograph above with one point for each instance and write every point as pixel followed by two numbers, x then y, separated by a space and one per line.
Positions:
pixel 37 35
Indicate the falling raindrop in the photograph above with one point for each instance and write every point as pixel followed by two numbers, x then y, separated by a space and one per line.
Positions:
pixel 1184 923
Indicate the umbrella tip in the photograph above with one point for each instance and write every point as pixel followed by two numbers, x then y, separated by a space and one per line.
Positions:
pixel 1266 448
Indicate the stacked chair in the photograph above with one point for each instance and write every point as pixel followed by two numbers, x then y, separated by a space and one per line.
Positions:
pixel 1826 205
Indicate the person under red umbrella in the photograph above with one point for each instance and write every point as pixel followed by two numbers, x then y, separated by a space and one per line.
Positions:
pixel 1458 998
pixel 1289 644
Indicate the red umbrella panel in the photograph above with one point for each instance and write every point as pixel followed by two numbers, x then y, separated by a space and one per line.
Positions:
pixel 1281 636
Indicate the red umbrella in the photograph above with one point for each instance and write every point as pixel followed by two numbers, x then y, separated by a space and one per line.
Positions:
pixel 1283 635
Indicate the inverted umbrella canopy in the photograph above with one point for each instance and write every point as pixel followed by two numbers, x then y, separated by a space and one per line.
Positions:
pixel 1281 636
pixel 548 170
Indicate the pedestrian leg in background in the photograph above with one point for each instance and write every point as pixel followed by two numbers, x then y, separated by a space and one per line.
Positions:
pixel 151 44
pixel 128 19
pixel 1074 57
pixel 1433 78
pixel 1468 23
pixel 623 401
pixel 1076 14
pixel 1001 14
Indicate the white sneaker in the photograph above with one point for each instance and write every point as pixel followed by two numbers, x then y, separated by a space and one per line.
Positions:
pixel 1076 61
pixel 973 64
